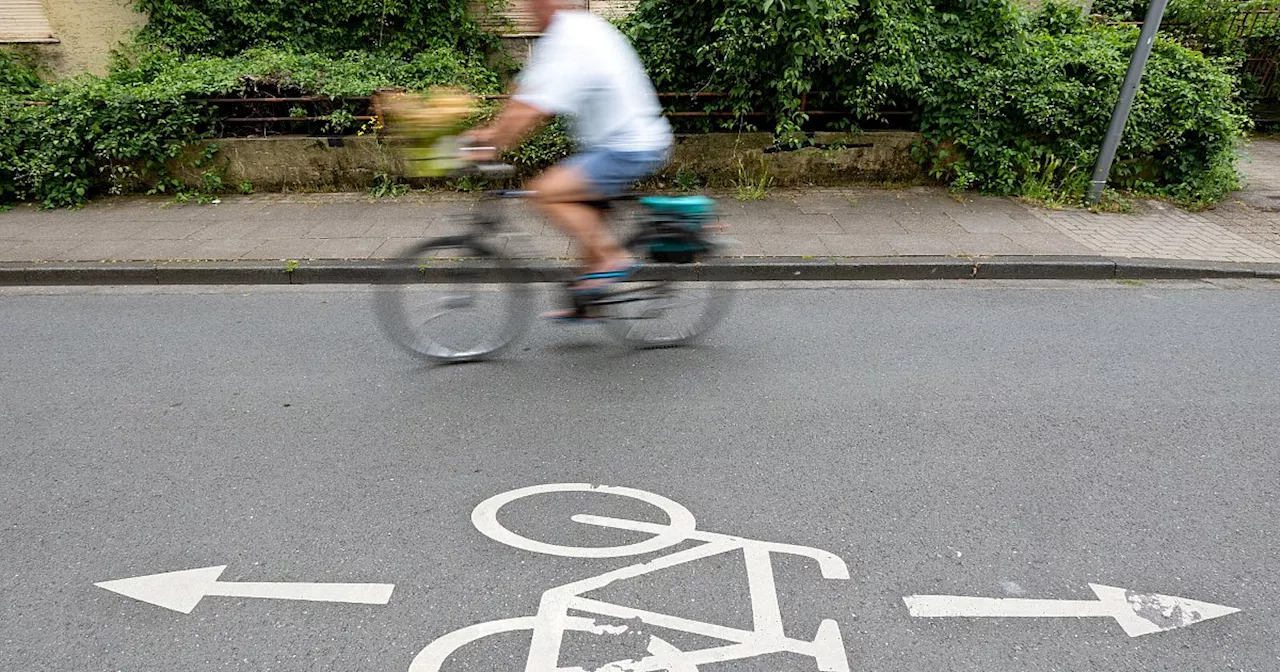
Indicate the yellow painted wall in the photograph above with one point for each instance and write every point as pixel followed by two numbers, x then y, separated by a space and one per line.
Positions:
pixel 88 30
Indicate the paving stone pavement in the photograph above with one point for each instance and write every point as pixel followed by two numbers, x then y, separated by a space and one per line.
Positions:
pixel 818 222
pixel 1163 232
pixel 1261 165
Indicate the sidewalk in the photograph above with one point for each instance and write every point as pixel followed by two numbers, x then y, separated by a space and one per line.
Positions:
pixel 809 229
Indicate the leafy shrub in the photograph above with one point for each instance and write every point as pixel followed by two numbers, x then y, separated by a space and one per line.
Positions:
pixel 125 131
pixel 1009 101
pixel 1121 10
pixel 227 27
pixel 18 77
pixel 543 148
pixel 1180 15
pixel 93 135
pixel 18 74
pixel 766 55
pixel 1215 27
pixel 1033 120
pixel 1244 33
pixel 262 70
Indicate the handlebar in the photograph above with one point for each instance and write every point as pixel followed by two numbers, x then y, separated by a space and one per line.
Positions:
pixel 487 168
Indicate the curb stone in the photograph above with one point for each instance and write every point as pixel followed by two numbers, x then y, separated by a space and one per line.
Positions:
pixel 1173 269
pixel 221 273
pixel 836 268
pixel 724 270
pixel 1044 268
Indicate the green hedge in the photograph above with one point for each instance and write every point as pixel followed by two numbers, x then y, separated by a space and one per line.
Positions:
pixel 118 133
pixel 228 27
pixel 1031 121
pixel 1009 101
pixel 19 75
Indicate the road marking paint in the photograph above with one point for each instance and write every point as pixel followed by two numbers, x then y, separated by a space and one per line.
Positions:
pixel 1137 613
pixel 181 591
pixel 553 621
pixel 830 564
pixel 436 653
pixel 485 518
pixel 765 613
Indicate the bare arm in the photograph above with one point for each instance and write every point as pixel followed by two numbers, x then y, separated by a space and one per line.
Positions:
pixel 514 122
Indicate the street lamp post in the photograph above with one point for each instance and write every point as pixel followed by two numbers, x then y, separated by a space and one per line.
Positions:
pixel 1128 90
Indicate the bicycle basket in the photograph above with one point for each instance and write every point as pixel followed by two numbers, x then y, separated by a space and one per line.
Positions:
pixel 422 130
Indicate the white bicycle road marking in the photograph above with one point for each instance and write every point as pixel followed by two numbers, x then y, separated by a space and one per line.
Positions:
pixel 552 621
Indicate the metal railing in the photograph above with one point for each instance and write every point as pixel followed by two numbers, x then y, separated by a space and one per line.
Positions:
pixel 264 110
pixel 1257 31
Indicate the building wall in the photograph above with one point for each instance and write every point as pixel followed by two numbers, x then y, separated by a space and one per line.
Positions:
pixel 88 30
pixel 515 25
pixel 513 20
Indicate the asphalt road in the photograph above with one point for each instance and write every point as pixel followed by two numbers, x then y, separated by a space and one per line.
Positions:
pixel 986 440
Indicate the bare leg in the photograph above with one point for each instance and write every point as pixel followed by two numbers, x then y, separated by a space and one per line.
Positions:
pixel 560 195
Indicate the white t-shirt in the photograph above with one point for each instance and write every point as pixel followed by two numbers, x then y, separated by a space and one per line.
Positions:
pixel 583 68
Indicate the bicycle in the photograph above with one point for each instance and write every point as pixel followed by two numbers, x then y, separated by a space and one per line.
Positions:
pixel 435 296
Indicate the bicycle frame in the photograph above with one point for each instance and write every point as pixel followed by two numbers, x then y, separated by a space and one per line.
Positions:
pixel 488 221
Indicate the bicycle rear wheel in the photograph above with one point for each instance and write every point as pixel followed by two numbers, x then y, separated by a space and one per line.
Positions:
pixel 453 300
pixel 666 312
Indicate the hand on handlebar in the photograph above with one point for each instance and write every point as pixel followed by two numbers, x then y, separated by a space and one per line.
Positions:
pixel 480 154
pixel 477 146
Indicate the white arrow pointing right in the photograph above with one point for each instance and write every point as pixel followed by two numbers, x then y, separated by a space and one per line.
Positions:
pixel 1138 613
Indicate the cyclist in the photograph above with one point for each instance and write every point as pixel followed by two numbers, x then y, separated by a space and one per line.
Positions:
pixel 584 69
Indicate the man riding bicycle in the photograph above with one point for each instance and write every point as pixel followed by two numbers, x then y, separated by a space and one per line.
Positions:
pixel 584 69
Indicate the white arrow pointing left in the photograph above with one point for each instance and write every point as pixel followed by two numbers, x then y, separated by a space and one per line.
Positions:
pixel 182 591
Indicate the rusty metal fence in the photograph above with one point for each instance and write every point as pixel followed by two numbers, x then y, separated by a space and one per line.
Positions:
pixel 1255 32
pixel 1260 33
pixel 267 115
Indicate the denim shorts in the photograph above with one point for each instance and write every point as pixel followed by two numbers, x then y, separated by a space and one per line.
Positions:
pixel 611 172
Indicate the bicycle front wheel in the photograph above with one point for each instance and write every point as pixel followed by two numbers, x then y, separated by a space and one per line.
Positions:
pixel 453 300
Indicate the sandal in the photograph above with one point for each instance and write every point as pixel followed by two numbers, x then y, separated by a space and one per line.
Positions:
pixel 606 279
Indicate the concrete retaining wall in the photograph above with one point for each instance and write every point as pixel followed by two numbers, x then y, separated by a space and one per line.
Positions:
pixel 718 159
pixel 722 159
pixel 296 163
